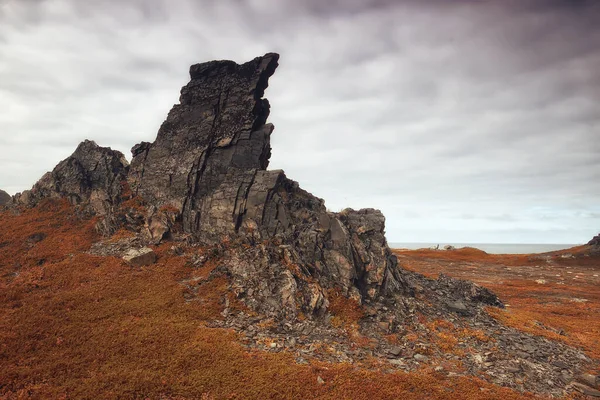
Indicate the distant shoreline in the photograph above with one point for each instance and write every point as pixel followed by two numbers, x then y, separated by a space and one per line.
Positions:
pixel 491 248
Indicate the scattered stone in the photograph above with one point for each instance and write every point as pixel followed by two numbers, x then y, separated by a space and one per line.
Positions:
pixel 420 357
pixel 395 351
pixel 449 247
pixel 140 257
pixel 320 380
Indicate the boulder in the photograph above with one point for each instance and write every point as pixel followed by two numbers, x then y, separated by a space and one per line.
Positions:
pixel 140 257
pixel 595 241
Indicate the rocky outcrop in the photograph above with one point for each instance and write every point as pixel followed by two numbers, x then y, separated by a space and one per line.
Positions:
pixel 595 241
pixel 92 176
pixel 206 173
pixel 4 198
pixel 209 162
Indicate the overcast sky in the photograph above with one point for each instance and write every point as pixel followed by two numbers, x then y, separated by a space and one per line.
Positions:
pixel 463 121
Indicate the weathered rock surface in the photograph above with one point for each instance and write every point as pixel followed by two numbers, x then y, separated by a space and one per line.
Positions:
pixel 91 176
pixel 4 198
pixel 595 241
pixel 209 162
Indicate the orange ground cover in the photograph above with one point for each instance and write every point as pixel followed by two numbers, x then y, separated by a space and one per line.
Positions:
pixel 74 325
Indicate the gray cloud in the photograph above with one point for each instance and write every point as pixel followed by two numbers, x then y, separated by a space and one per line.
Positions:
pixel 464 121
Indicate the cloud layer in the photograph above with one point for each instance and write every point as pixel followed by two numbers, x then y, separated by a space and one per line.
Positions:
pixel 464 121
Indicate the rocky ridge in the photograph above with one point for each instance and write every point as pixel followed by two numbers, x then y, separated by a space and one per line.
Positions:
pixel 204 181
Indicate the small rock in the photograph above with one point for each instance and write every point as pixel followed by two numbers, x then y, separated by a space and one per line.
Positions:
pixel 273 345
pixel 320 380
pixel 420 357
pixel 384 326
pixel 140 257
pixel 457 306
pixel 560 364
pixel 395 351
pixel 439 368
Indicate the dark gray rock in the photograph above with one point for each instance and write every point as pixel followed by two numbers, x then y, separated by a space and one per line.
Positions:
pixel 92 176
pixel 595 241
pixel 4 198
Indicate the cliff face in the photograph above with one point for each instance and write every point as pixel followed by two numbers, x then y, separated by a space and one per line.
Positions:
pixel 206 172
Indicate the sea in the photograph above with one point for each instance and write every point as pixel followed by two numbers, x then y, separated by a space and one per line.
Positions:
pixel 491 248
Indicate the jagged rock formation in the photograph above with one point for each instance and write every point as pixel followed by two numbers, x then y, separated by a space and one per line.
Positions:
pixel 207 170
pixel 209 161
pixel 92 176
pixel 4 198
pixel 595 241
